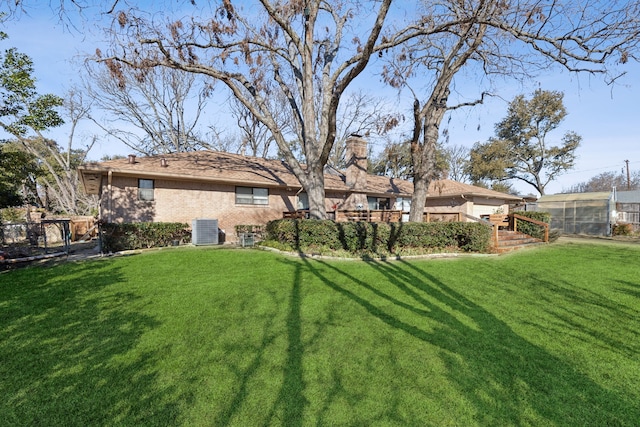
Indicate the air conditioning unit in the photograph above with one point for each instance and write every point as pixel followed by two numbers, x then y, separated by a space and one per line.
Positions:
pixel 204 231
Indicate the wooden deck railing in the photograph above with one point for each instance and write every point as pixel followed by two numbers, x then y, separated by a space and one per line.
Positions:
pixel 442 216
pixel 304 214
pixel 352 215
pixel 500 220
pixel 378 215
pixel 517 218
pixel 295 215
pixel 369 215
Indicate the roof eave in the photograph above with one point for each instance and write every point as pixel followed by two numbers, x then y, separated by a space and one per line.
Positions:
pixel 186 177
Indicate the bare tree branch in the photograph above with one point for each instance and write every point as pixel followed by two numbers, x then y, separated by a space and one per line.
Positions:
pixel 494 38
pixel 152 110
pixel 308 53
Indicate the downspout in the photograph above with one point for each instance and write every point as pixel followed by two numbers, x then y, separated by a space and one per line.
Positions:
pixel 611 210
pixel 109 196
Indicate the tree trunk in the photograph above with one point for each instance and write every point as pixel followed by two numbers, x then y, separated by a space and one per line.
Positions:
pixel 314 186
pixel 423 155
pixel 539 185
pixel 418 200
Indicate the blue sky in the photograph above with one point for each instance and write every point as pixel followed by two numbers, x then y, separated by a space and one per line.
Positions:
pixel 607 117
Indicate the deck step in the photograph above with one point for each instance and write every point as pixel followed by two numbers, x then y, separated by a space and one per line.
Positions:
pixel 511 240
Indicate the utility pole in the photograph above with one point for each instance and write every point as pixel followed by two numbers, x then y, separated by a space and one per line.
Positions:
pixel 628 176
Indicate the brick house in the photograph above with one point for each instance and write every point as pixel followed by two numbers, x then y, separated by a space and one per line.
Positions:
pixel 236 189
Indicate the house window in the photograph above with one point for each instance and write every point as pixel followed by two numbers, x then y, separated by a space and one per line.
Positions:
pixel 378 203
pixel 145 189
pixel 403 204
pixel 252 196
pixel 303 201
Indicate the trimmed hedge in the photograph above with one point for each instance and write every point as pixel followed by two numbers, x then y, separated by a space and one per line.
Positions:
pixel 121 237
pixel 379 238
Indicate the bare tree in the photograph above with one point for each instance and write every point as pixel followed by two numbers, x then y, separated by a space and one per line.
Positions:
pixel 492 39
pixel 306 51
pixel 151 110
pixel 363 114
pixel 59 183
pixel 310 52
pixel 56 185
pixel 256 137
pixel 67 11
pixel 360 113
pixel 66 191
pixel 606 181
pixel 222 141
pixel 457 157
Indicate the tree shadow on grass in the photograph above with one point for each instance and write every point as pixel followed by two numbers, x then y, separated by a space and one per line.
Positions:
pixel 244 377
pixel 594 313
pixel 629 288
pixel 288 402
pixel 291 395
pixel 67 351
pixel 588 316
pixel 507 379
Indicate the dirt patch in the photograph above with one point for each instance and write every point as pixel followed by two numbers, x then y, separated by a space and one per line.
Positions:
pixel 22 256
pixel 577 238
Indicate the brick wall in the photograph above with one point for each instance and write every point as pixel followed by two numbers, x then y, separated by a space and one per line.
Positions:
pixel 184 201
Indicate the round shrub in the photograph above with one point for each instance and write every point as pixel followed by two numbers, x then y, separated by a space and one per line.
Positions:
pixel 622 230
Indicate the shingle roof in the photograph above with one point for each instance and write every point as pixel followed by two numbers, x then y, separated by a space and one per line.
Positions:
pixel 449 188
pixel 238 169
pixel 203 165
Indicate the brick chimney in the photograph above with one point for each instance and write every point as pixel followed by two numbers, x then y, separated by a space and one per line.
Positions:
pixel 356 172
pixel 356 157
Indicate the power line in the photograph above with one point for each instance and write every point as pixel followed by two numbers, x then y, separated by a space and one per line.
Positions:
pixel 598 169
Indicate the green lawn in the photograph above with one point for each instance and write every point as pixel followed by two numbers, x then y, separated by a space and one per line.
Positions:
pixel 197 337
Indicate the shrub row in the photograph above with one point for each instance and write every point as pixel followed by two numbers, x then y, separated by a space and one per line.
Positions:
pixel 121 237
pixel 364 237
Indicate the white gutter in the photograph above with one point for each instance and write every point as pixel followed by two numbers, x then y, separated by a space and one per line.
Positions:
pixel 109 195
